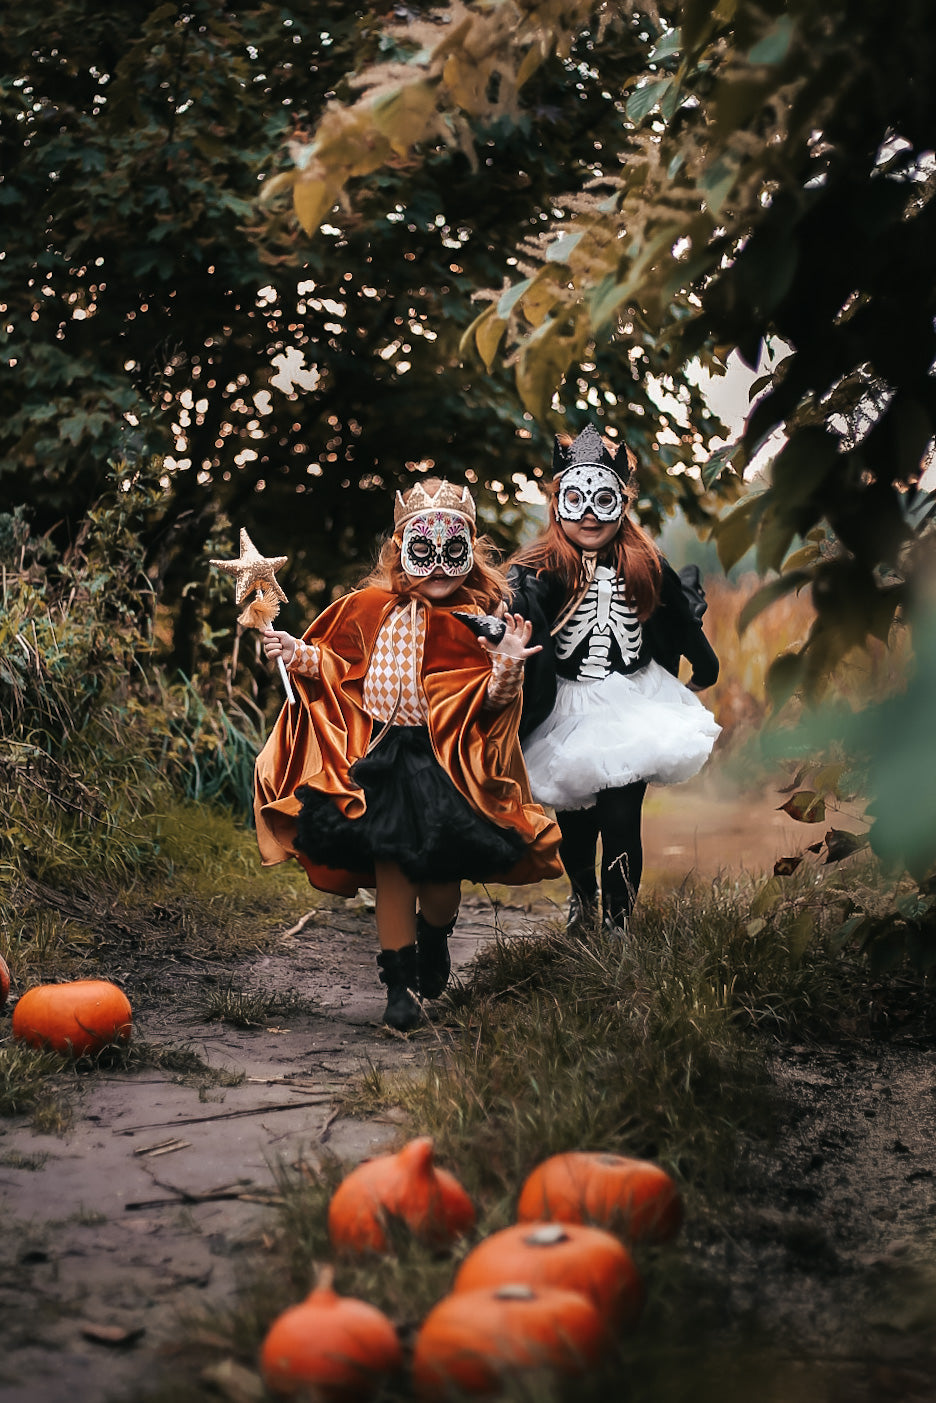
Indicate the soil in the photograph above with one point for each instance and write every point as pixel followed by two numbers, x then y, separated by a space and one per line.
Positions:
pixel 139 1214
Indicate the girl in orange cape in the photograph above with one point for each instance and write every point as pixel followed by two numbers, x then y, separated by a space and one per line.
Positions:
pixel 400 767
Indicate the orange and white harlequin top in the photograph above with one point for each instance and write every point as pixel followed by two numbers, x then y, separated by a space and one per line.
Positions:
pixel 392 687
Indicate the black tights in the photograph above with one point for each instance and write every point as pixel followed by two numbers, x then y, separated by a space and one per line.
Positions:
pixel 615 816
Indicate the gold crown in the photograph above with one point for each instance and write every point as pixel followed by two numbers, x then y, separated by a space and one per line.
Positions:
pixel 447 497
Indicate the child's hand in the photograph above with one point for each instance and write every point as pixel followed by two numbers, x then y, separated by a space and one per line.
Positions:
pixel 277 644
pixel 515 640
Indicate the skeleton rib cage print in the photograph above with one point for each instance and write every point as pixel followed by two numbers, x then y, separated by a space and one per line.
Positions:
pixel 603 614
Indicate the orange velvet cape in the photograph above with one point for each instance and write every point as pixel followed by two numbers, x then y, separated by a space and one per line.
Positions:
pixel 315 741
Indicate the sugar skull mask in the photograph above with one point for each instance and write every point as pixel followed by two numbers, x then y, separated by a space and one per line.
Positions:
pixel 590 487
pixel 436 540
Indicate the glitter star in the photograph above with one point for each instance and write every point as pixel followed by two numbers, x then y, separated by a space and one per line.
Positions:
pixel 252 569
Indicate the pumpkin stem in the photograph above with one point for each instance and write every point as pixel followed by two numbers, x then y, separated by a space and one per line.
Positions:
pixel 417 1155
pixel 547 1235
pixel 324 1280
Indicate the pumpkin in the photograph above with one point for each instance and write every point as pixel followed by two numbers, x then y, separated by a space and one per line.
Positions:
pixel 566 1255
pixel 407 1187
pixel 79 1017
pixel 477 1342
pixel 631 1197
pixel 4 981
pixel 334 1348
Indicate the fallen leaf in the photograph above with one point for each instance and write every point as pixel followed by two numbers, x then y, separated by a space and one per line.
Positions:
pixel 112 1334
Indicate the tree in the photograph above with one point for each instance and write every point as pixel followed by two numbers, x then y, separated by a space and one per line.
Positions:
pixel 150 306
pixel 772 185
pixel 773 181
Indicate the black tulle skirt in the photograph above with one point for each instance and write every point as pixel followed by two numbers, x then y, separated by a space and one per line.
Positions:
pixel 415 817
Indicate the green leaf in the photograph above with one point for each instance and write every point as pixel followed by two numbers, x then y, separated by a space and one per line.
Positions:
pixel 774 46
pixel 717 183
pixel 559 250
pixel 784 676
pixel 643 101
pixel 666 46
pixel 717 463
pixel 767 897
pixel 510 297
pixel 734 533
pixel 605 299
pixel 800 935
pixel 768 594
pixel 775 535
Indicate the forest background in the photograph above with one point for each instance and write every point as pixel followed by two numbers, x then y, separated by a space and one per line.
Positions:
pixel 253 256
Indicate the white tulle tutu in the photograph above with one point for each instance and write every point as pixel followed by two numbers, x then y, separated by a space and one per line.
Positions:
pixel 601 735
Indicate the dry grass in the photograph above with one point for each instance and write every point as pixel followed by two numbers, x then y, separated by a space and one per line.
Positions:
pixel 652 1046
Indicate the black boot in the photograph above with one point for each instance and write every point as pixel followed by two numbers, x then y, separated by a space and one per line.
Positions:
pixel 583 914
pixel 399 970
pixel 435 962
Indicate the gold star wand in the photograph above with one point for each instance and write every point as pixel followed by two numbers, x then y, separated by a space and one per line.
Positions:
pixel 255 572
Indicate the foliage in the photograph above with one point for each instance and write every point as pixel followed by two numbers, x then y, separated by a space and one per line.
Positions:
pixel 775 185
pixel 149 307
pixel 107 767
pixel 649 1046
pixel 890 755
pixel 771 192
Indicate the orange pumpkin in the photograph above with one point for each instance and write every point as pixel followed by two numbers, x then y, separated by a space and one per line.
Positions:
pixel 631 1197
pixel 80 1017
pixel 4 981
pixel 567 1255
pixel 334 1348
pixel 476 1342
pixel 407 1187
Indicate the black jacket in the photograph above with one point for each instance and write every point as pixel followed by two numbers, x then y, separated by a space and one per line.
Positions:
pixel 672 631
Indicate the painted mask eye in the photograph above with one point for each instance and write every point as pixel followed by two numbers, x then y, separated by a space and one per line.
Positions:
pixel 573 499
pixel 456 551
pixel 419 549
pixel 605 500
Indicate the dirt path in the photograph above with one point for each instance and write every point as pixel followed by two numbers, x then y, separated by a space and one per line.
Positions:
pixel 103 1227
pixel 119 1224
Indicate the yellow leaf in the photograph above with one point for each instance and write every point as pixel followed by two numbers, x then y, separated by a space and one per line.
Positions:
pixel 488 337
pixel 540 371
pixel 539 298
pixel 276 184
pixel 312 201
pixel 468 335
pixel 826 780
pixel 531 62
pixel 405 116
pixel 467 83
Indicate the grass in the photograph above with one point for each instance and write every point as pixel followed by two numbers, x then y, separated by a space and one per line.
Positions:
pixel 253 1008
pixel 654 1046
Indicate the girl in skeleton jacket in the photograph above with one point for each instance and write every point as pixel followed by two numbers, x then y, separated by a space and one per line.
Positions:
pixel 399 766
pixel 604 713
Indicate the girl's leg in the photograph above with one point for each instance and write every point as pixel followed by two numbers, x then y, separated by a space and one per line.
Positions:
pixel 438 909
pixel 578 849
pixel 619 812
pixel 439 901
pixel 395 908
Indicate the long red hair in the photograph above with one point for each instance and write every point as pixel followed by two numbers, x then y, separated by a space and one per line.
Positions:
pixel 631 554
pixel 485 585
